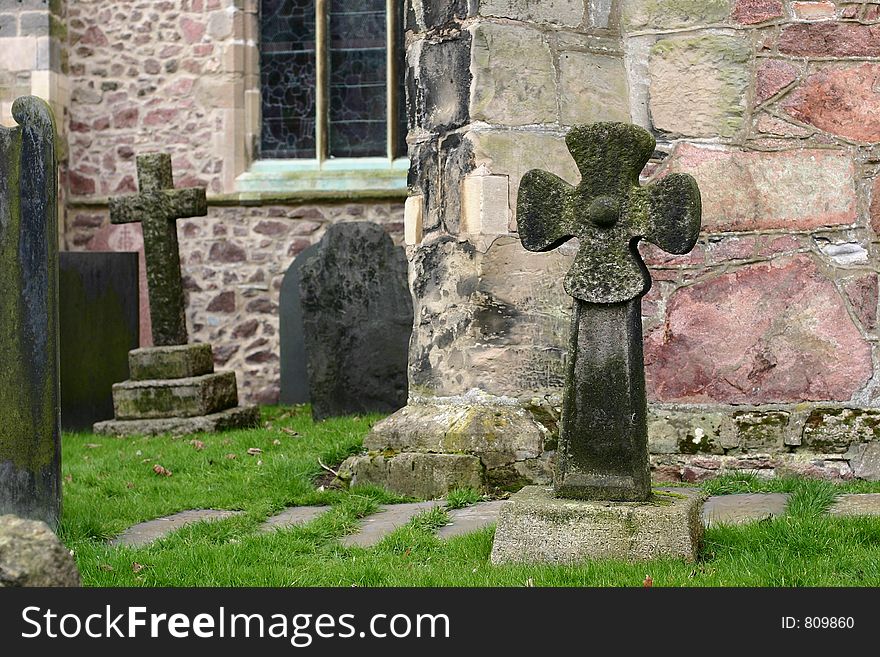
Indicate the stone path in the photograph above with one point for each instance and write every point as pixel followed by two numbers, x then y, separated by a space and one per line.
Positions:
pixel 728 509
pixel 856 505
pixel 147 532
pixel 470 519
pixel 389 517
pixel 743 508
pixel 293 517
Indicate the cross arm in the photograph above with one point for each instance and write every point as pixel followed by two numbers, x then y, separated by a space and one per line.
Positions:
pixel 169 203
pixel 541 211
pixel 668 214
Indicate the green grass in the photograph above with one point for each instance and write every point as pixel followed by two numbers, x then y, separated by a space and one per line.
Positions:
pixel 110 485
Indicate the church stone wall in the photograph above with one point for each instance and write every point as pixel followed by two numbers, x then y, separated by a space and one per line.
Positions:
pixel 760 345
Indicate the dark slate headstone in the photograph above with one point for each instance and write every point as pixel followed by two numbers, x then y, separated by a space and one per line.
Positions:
pixel 357 321
pixel 294 377
pixel 99 316
pixel 30 432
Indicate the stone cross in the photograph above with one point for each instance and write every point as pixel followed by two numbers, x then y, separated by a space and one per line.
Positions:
pixel 157 208
pixel 30 405
pixel 603 451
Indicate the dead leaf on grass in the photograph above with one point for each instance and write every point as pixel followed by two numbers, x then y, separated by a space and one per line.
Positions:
pixel 106 567
pixel 276 442
pixel 232 457
pixel 69 479
pixel 92 445
pixel 289 432
pixel 253 451
pixel 198 445
pixel 162 472
pixel 649 582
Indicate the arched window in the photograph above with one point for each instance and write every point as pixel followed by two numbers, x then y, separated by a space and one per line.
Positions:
pixel 331 79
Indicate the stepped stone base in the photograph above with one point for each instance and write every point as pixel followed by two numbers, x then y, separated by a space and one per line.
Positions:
pixel 197 395
pixel 535 527
pixel 240 417
pixel 175 390
pixel 177 362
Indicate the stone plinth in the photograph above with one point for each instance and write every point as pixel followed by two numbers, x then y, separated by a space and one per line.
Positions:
pixel 535 527
pixel 427 476
pixel 174 389
pixel 176 362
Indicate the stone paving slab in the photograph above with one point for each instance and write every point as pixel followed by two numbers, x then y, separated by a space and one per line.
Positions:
pixel 389 517
pixel 470 519
pixel 863 504
pixel 742 508
pixel 147 532
pixel 293 517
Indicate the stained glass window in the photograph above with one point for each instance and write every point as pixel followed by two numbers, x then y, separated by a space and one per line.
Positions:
pixel 338 106
pixel 288 75
pixel 358 72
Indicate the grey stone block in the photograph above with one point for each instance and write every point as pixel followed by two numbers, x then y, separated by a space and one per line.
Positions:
pixel 240 417
pixel 31 555
pixel 177 362
pixel 34 23
pixel 418 475
pixel 535 527
pixel 8 25
pixel 190 397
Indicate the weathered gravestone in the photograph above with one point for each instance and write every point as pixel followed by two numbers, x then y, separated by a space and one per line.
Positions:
pixel 603 504
pixel 100 323
pixel 357 321
pixel 173 386
pixel 294 376
pixel 30 433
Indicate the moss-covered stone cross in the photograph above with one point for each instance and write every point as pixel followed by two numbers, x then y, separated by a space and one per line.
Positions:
pixel 157 208
pixel 603 450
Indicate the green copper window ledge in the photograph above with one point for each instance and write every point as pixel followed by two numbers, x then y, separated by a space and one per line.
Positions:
pixel 361 178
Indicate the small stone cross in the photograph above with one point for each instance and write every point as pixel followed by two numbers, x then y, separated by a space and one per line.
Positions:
pixel 603 442
pixel 157 208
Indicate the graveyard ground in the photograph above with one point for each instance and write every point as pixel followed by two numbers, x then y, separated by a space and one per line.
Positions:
pixel 111 484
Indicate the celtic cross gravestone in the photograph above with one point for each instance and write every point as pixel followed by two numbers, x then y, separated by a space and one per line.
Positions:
pixel 603 505
pixel 603 440
pixel 157 208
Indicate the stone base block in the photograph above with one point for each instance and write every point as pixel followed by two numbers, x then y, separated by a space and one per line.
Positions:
pixel 499 434
pixel 240 417
pixel 425 476
pixel 178 362
pixel 536 527
pixel 189 397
